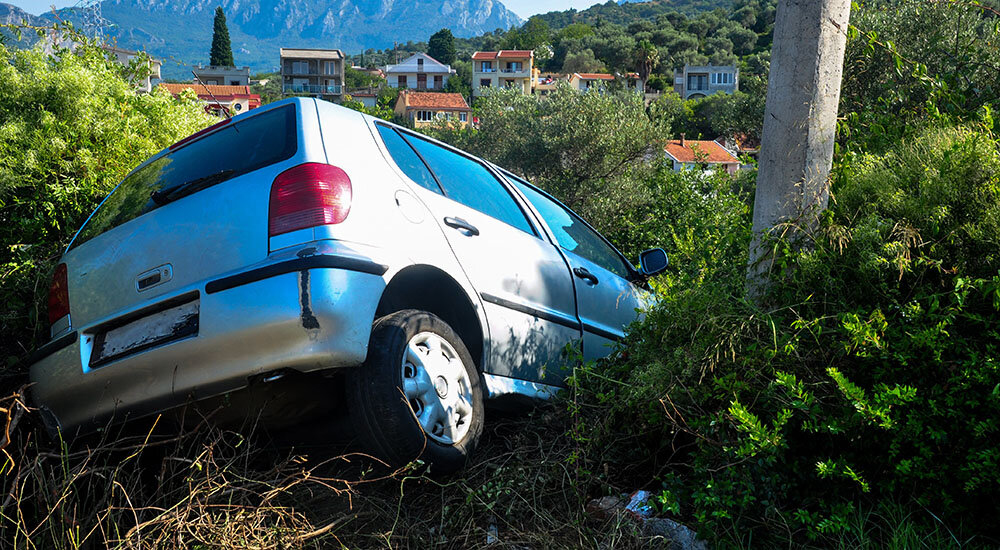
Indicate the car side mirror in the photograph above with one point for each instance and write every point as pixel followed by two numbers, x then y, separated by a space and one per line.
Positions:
pixel 653 261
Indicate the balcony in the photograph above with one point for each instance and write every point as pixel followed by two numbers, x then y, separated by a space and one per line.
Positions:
pixel 312 89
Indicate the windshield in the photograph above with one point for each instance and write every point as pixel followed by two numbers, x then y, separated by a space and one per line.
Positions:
pixel 233 150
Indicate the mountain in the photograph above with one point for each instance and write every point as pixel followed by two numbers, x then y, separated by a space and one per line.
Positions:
pixel 180 31
pixel 13 15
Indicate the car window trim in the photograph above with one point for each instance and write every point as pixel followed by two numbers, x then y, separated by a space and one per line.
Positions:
pixel 631 269
pixel 419 156
pixel 403 132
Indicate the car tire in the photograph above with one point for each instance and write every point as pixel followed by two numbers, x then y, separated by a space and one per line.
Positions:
pixel 418 393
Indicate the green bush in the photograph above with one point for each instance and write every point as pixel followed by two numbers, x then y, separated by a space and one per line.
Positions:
pixel 870 375
pixel 71 127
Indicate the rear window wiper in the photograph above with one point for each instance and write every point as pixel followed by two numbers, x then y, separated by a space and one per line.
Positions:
pixel 161 197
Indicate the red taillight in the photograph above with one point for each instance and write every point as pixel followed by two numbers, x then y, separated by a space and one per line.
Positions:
pixel 58 295
pixel 199 133
pixel 308 195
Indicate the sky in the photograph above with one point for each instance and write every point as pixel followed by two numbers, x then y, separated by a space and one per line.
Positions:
pixel 524 8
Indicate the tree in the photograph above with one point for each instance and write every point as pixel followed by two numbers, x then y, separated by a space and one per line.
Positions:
pixel 222 49
pixel 582 62
pixel 647 57
pixel 461 81
pixel 441 46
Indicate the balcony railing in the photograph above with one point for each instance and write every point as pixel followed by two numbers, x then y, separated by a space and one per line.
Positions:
pixel 487 70
pixel 312 89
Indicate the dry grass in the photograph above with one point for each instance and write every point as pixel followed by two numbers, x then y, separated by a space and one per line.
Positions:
pixel 144 486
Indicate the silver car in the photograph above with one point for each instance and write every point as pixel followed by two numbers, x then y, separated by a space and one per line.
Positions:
pixel 306 237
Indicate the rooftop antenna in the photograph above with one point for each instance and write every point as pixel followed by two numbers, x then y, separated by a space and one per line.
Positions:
pixel 225 111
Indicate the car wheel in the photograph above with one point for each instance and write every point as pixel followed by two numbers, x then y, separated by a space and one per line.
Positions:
pixel 418 394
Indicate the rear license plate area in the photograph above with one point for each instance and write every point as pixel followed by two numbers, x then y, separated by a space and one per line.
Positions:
pixel 161 324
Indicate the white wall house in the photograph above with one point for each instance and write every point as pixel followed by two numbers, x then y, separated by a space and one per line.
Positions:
pixel 701 81
pixel 222 75
pixel 419 72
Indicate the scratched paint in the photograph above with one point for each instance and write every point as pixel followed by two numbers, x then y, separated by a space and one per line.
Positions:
pixel 309 321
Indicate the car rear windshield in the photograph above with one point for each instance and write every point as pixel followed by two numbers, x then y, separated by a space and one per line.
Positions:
pixel 233 150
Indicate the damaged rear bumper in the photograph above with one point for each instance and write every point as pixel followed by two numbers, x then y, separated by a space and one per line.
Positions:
pixel 302 313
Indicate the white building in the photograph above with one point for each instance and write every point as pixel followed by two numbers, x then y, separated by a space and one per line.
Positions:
pixel 222 75
pixel 419 72
pixel 125 57
pixel 693 81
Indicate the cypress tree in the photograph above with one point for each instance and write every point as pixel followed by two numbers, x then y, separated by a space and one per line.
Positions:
pixel 222 49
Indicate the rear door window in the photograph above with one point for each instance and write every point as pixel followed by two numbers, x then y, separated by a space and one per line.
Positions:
pixel 467 181
pixel 231 151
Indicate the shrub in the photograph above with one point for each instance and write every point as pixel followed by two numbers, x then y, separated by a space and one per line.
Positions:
pixel 71 127
pixel 870 375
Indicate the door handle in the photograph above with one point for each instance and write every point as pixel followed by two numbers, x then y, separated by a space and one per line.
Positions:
pixel 459 223
pixel 582 273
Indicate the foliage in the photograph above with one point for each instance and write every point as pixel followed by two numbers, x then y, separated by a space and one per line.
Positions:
pixel 912 63
pixel 868 377
pixel 582 62
pixel 71 127
pixel 461 81
pixel 270 90
pixel 569 142
pixel 222 49
pixel 385 103
pixel 354 78
pixel 441 46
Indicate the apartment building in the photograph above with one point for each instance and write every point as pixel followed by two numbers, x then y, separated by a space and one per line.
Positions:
pixel 222 75
pixel 419 72
pixel 505 68
pixel 693 82
pixel 312 71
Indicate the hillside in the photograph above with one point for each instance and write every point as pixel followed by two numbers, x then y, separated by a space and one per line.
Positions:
pixel 180 31
pixel 630 12
pixel 13 15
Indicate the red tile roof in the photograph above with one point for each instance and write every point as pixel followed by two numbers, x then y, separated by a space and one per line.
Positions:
pixel 208 90
pixel 502 54
pixel 596 76
pixel 433 100
pixel 710 152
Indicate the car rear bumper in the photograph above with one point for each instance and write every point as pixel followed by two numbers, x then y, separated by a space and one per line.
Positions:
pixel 291 317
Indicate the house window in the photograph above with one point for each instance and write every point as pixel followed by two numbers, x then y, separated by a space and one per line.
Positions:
pixel 420 64
pixel 425 116
pixel 697 82
pixel 464 117
pixel 486 67
pixel 484 83
pixel 331 67
pixel 300 67
pixel 438 81
pixel 514 66
pixel 401 81
pixel 722 78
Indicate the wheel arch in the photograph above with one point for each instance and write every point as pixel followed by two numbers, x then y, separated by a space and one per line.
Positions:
pixel 430 289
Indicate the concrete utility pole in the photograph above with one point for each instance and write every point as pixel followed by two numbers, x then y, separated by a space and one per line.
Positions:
pixel 800 120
